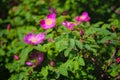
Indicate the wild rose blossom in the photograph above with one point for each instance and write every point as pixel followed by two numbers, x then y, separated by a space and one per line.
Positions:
pixel 69 25
pixel 49 22
pixel 34 39
pixel 37 56
pixel 83 18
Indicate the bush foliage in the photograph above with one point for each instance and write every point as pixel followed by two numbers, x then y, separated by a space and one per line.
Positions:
pixel 90 50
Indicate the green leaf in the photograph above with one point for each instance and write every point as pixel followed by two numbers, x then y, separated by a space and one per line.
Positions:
pixel 70 64
pixel 72 43
pixel 76 65
pixel 105 39
pixel 67 51
pixel 2 52
pixel 48 30
pixel 40 48
pixel 113 73
pixel 19 76
pixel 70 47
pixel 44 71
pixel 87 46
pixel 105 26
pixel 50 54
pixel 79 44
pixel 97 24
pixel 63 71
pixel 61 45
pixel 81 61
pixel 24 54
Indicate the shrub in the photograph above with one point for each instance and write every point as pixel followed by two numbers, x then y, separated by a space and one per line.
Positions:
pixel 60 39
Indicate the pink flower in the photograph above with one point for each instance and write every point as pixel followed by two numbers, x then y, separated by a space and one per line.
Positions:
pixel 34 39
pixel 118 60
pixel 38 58
pixel 69 25
pixel 49 22
pixel 83 18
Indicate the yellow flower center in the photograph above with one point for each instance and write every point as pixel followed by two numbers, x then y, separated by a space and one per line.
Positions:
pixel 34 40
pixel 48 21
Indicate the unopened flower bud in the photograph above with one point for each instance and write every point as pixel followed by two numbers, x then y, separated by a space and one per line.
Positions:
pixel 108 42
pixel 52 63
pixel 64 13
pixel 118 60
pixel 81 32
pixel 50 40
pixel 16 57
pixel 8 27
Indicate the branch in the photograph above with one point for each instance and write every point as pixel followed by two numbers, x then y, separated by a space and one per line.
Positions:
pixel 101 73
pixel 112 57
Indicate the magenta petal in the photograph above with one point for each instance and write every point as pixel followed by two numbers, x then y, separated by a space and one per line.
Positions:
pixel 34 39
pixel 64 23
pixel 77 18
pixel 28 63
pixel 40 38
pixel 53 15
pixel 27 38
pixel 46 26
pixel 42 22
pixel 88 18
pixel 83 18
pixel 49 22
pixel 69 25
pixel 85 14
pixel 40 57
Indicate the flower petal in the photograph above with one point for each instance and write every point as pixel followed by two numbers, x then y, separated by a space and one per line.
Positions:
pixel 28 37
pixel 40 38
pixel 53 15
pixel 85 13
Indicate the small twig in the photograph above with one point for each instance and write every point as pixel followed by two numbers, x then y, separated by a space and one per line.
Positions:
pixel 102 74
pixel 112 57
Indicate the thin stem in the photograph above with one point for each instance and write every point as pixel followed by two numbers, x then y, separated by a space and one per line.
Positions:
pixel 112 57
